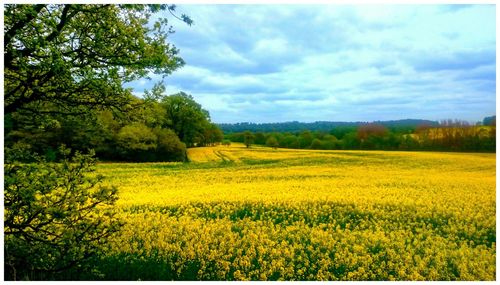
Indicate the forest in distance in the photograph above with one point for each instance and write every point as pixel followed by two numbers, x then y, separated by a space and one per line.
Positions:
pixel 447 135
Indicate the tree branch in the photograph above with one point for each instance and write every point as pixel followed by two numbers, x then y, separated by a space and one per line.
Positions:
pixel 21 24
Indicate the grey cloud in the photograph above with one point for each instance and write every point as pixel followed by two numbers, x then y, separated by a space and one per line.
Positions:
pixel 389 70
pixel 386 73
pixel 311 35
pixel 488 74
pixel 373 86
pixel 450 61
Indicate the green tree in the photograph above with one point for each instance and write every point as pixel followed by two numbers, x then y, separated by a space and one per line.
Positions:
pixel 186 117
pixel 68 60
pixel 237 137
pixel 290 141
pixel 350 141
pixel 56 215
pixel 316 144
pixel 330 142
pixel 136 142
pixel 340 131
pixel 260 138
pixel 248 138
pixel 169 147
pixel 218 135
pixel 272 142
pixel 65 64
pixel 305 139
pixel 74 56
pixel 109 126
pixel 489 121
pixel 210 135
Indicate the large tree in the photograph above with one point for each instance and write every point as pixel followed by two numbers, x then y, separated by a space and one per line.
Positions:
pixel 68 60
pixel 186 117
pixel 248 138
pixel 59 58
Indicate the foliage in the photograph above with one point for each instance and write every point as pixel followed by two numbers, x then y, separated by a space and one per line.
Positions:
pixel 248 138
pixel 131 136
pixel 490 121
pixel 56 214
pixel 447 136
pixel 371 130
pixel 186 117
pixel 259 138
pixel 305 139
pixel 169 147
pixel 65 58
pixel 272 142
pixel 316 144
pixel 290 141
pixel 457 136
pixel 339 128
pixel 135 141
pixel 64 67
pixel 210 136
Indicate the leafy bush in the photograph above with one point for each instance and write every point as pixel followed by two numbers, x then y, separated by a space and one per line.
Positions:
pixel 169 146
pixel 137 142
pixel 272 142
pixel 56 214
pixel 136 139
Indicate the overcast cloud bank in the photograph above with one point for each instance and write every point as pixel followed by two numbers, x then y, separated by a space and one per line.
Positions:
pixel 274 63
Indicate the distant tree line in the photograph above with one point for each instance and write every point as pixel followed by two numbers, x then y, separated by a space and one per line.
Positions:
pixel 154 128
pixel 325 126
pixel 448 135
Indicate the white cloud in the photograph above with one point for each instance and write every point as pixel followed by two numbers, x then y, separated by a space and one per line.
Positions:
pixel 273 46
pixel 269 63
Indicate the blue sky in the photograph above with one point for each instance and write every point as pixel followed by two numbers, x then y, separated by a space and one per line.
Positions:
pixel 276 63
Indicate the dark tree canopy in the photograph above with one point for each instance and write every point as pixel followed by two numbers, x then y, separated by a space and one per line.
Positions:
pixel 59 58
pixel 248 138
pixel 272 142
pixel 489 121
pixel 186 117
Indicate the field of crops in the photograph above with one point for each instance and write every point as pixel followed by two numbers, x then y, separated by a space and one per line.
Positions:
pixel 262 214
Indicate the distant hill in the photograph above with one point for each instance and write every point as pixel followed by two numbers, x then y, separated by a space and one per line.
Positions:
pixel 317 126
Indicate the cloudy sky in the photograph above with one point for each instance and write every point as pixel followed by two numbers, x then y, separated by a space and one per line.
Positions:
pixel 276 63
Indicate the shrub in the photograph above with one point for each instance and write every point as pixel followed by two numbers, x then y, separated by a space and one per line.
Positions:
pixel 56 214
pixel 169 146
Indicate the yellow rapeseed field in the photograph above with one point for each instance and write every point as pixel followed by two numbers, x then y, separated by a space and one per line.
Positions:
pixel 234 213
